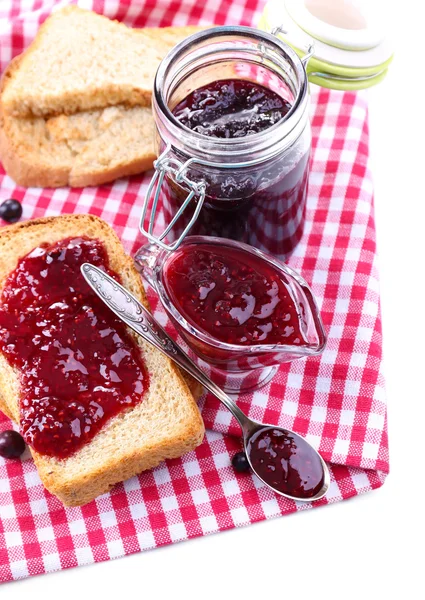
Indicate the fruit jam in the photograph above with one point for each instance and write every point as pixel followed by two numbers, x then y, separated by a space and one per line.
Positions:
pixel 234 296
pixel 79 366
pixel 286 462
pixel 263 205
pixel 231 109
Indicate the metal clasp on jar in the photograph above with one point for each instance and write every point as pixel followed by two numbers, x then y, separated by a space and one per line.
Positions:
pixel 166 164
pixel 310 50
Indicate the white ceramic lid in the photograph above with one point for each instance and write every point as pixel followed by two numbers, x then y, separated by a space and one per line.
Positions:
pixel 277 14
pixel 346 24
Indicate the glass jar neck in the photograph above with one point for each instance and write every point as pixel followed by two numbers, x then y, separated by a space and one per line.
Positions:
pixel 230 53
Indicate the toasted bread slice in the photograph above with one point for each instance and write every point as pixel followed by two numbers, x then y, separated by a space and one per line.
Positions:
pixel 165 424
pixel 165 38
pixel 84 149
pixel 120 142
pixel 81 61
pixel 88 148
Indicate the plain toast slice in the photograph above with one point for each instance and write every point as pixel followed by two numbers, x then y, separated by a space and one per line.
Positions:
pixel 84 149
pixel 80 60
pixel 166 424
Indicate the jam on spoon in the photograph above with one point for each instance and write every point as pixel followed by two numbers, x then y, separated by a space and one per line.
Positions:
pixel 286 462
pixel 79 366
pixel 234 296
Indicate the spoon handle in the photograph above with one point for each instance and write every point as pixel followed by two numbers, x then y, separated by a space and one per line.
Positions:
pixel 134 314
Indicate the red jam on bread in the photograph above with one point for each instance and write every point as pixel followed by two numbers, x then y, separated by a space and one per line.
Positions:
pixel 79 366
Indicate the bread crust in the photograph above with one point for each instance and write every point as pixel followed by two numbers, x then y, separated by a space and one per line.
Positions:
pixel 89 473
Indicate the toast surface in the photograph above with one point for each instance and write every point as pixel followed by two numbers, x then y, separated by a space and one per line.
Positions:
pixel 86 148
pixel 166 424
pixel 79 61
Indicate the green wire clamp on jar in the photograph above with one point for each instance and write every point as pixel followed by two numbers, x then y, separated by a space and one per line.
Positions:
pixel 351 51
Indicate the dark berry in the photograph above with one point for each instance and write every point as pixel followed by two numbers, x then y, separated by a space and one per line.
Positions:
pixel 12 444
pixel 240 462
pixel 10 210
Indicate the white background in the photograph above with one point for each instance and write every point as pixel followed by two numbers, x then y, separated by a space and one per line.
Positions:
pixel 369 547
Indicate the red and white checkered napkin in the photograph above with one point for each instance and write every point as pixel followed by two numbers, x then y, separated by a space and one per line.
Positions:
pixel 337 400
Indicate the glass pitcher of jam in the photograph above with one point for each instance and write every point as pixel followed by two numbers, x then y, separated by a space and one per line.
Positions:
pixel 240 311
pixel 233 137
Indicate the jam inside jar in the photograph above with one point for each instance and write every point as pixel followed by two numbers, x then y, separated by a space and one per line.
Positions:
pixel 239 126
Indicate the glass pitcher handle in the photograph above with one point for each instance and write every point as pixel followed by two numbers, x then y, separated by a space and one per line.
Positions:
pixel 145 260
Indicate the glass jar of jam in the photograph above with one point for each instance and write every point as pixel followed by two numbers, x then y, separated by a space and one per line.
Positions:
pixel 233 134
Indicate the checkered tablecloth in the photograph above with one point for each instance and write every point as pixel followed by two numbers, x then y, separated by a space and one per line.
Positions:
pixel 337 400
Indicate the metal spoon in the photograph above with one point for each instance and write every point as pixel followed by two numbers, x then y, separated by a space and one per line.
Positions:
pixel 135 315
